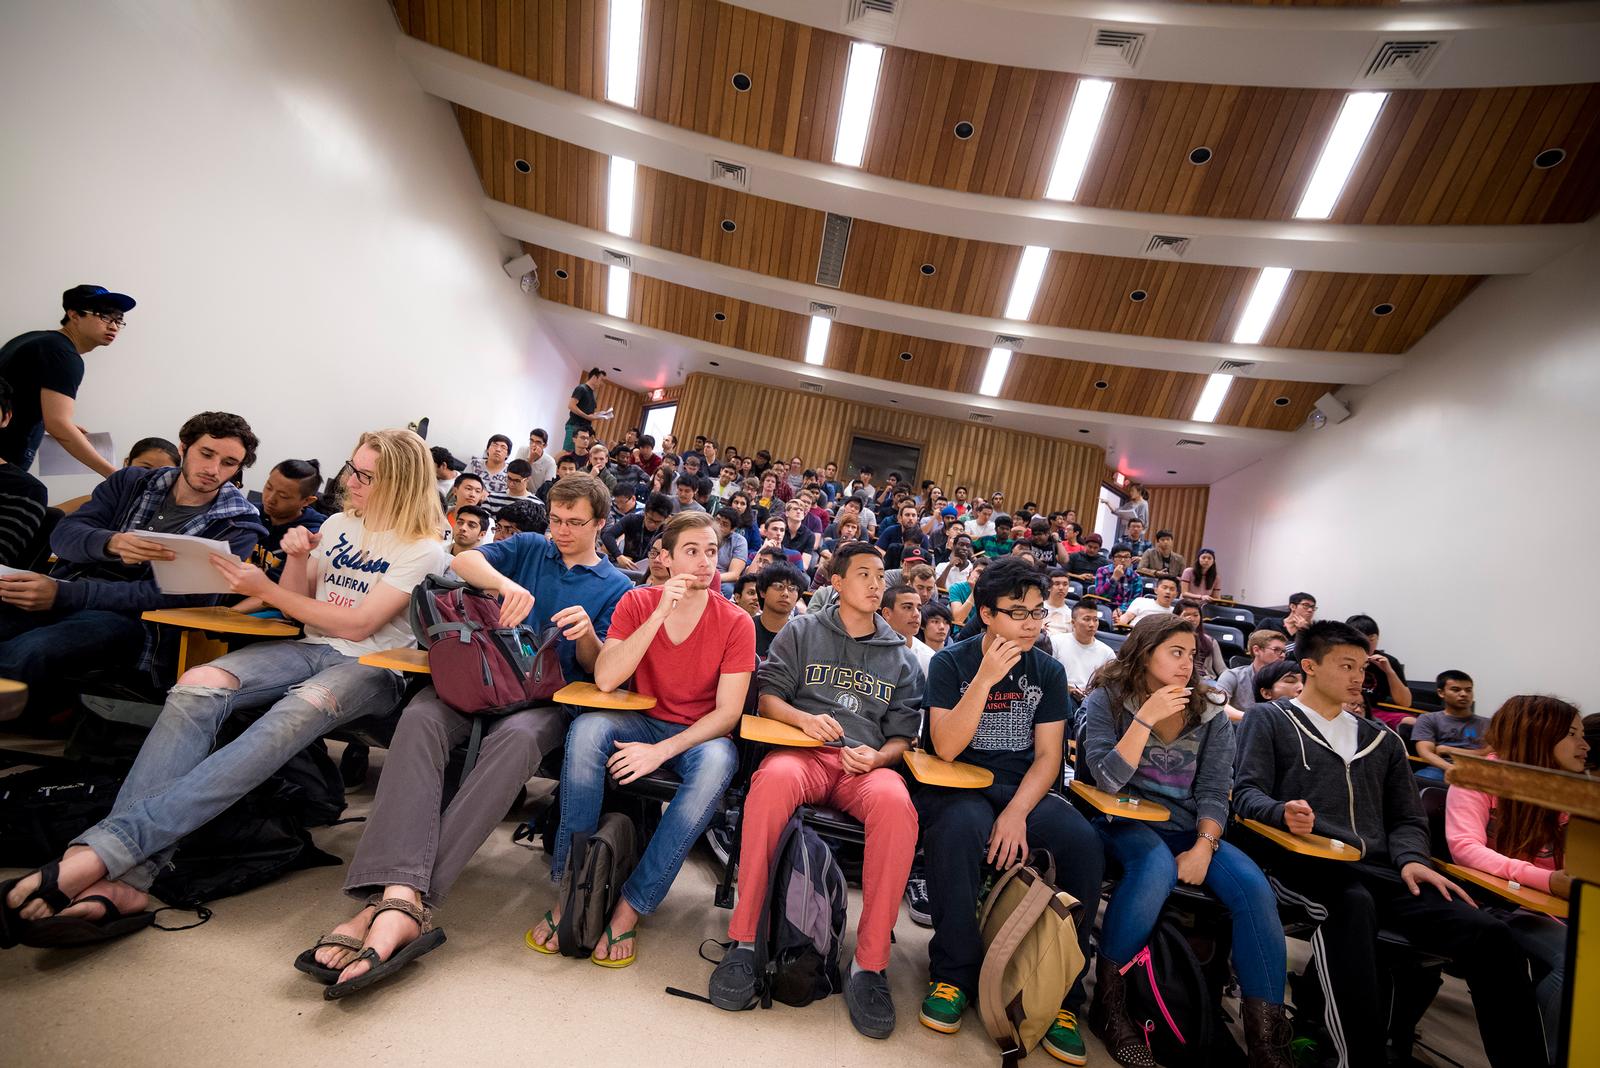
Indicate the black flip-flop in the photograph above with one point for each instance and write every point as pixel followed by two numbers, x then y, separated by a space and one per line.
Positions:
pixel 307 962
pixel 12 926
pixel 429 939
pixel 59 932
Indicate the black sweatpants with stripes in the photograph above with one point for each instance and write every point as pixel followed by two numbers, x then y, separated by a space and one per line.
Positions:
pixel 1358 899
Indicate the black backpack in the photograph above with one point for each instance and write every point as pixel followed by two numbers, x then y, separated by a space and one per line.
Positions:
pixel 802 920
pixel 42 810
pixel 1175 989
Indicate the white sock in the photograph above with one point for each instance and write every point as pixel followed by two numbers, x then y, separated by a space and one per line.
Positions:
pixel 856 968
pixel 751 946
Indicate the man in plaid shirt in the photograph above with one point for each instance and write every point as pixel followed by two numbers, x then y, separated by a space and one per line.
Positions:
pixel 1118 582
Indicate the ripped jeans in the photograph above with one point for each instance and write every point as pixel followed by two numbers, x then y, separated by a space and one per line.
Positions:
pixel 178 783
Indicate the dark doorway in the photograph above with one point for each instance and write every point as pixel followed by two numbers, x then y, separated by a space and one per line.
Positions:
pixel 884 457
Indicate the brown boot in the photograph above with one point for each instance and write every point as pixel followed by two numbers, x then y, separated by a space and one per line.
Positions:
pixel 1108 1018
pixel 1268 1034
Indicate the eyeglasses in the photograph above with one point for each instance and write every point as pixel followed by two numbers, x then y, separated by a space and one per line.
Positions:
pixel 363 477
pixel 785 587
pixel 1023 614
pixel 557 523
pixel 110 318
pixel 516 480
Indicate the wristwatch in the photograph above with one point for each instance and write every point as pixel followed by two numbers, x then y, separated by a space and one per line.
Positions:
pixel 1216 843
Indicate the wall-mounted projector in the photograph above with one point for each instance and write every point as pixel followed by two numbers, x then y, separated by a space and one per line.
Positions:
pixel 524 270
pixel 1329 409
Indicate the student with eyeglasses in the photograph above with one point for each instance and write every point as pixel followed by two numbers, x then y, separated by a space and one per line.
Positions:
pixel 997 701
pixel 45 369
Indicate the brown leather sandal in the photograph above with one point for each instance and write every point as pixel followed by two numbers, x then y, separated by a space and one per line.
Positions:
pixel 429 938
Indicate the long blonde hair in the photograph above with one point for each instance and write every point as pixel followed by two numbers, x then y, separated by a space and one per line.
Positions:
pixel 405 496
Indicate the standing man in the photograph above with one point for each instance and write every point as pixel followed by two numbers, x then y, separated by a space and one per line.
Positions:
pixel 581 407
pixel 45 368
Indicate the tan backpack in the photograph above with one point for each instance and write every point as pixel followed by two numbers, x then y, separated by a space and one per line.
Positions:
pixel 1031 955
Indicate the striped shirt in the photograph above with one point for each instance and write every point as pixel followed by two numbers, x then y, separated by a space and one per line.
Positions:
pixel 22 503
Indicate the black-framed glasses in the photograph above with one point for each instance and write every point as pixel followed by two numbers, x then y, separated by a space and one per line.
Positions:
pixel 110 318
pixel 557 523
pixel 363 477
pixel 1022 615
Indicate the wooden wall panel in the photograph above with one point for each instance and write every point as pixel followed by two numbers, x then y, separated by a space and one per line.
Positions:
pixel 1182 510
pixel 1053 472
pixel 629 407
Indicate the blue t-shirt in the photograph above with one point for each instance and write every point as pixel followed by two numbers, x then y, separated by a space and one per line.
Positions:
pixel 533 562
pixel 1034 691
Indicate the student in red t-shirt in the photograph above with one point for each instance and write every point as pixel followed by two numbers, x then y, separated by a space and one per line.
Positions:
pixel 693 651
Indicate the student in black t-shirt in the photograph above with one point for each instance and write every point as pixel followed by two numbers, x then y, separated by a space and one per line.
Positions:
pixel 581 406
pixel 996 701
pixel 45 369
pixel 22 501
pixel 778 588
pixel 286 502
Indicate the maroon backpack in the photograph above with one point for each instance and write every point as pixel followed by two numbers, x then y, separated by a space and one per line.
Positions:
pixel 478 666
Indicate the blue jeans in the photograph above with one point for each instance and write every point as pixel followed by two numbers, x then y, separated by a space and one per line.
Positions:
pixel 43 648
pixel 706 769
pixel 1544 940
pixel 1150 871
pixel 1429 773
pixel 178 783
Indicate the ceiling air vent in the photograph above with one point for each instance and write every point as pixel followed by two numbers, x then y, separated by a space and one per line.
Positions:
pixel 980 417
pixel 1006 341
pixel 616 259
pixel 872 19
pixel 1235 367
pixel 1189 443
pixel 810 386
pixel 1400 62
pixel 819 308
pixel 1167 246
pixel 620 342
pixel 835 240
pixel 726 172
pixel 1113 50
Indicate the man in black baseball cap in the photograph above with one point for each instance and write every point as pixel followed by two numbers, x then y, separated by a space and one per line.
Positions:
pixel 45 368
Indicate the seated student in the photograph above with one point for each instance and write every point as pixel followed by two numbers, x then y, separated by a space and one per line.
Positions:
pixel 518 474
pixel 445 469
pixel 980 521
pixel 936 624
pixel 1059 621
pixel 905 531
pixel 1161 560
pixel 1519 841
pixel 998 544
pixel 646 456
pixel 1385 680
pixel 687 489
pixel 624 501
pixel 410 850
pixel 1265 647
pixel 1117 582
pixel 902 610
pixel 996 701
pixel 474 529
pixel 961 592
pixel 86 611
pixel 1454 727
pixel 350 584
pixel 1080 652
pixel 1200 582
pixel 694 653
pixel 1070 532
pixel 745 594
pixel 1149 731
pixel 1306 765
pixel 628 540
pixel 1085 564
pixel 1158 603
pixel 286 503
pixel 1042 543
pixel 539 457
pixel 521 517
pixel 23 500
pixel 919 576
pixel 491 466
pixel 469 489
pixel 1276 681
pixel 1207 654
pixel 797 537
pixel 1135 539
pixel 958 567
pixel 848 529
pixel 778 589
pixel 566 464
pixel 842 676
pixel 151 453
pixel 733 555
pixel 1302 613
pixel 599 465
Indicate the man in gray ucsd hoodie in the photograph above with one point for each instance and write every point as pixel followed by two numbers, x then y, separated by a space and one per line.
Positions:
pixel 845 678
pixel 1306 764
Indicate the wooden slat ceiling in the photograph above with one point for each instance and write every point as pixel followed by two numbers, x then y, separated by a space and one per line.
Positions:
pixel 691 313
pixel 1186 301
pixel 1446 156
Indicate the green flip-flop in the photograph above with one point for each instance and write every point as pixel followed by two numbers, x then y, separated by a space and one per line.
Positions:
pixel 612 940
pixel 550 921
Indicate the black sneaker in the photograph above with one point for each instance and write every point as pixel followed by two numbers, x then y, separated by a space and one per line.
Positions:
pixel 733 983
pixel 871 1005
pixel 917 901
pixel 720 839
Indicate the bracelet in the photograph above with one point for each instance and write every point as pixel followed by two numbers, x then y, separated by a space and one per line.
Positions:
pixel 1143 724
pixel 1216 843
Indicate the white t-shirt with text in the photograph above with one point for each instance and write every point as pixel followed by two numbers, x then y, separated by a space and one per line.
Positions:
pixel 348 563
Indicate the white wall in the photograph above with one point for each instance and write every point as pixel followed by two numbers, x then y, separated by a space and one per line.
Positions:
pixel 300 224
pixel 1479 457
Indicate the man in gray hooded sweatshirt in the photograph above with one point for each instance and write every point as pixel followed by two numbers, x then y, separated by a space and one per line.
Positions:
pixel 845 678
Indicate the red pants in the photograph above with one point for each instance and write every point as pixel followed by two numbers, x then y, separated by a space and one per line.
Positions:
pixel 790 778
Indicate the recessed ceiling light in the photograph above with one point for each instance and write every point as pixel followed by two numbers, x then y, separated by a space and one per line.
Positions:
pixel 741 82
pixel 1263 302
pixel 1102 384
pixel 1077 138
pixel 625 23
pixel 729 226
pixel 964 130
pixel 618 370
pixel 1025 283
pixel 1200 156
pixel 1083 430
pixel 618 281
pixel 523 165
pixel 1171 472
pixel 817 340
pixel 561 272
pixel 1550 157
pixel 1138 296
pixel 619 196
pixel 713 363
pixel 720 317
pixel 855 109
pixel 928 269
pixel 1382 309
pixel 906 356
pixel 1211 398
pixel 893 401
pixel 1357 115
pixel 1281 402
pixel 994 372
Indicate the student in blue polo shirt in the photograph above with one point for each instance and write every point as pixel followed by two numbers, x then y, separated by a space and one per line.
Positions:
pixel 409 847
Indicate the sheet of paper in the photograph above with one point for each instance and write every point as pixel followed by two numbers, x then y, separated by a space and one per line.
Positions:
pixel 4 570
pixel 191 572
pixel 55 460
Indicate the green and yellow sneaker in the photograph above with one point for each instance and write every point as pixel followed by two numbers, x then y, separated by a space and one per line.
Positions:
pixel 1063 1042
pixel 942 1008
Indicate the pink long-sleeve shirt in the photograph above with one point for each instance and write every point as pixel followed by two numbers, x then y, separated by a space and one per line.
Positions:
pixel 1466 828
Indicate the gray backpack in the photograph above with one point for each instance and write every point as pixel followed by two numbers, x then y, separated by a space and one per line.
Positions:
pixel 598 865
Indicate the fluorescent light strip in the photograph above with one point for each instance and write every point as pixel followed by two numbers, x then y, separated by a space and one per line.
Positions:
pixel 1263 302
pixel 855 110
pixel 1357 115
pixel 619 196
pixel 817 340
pixel 625 26
pixel 618 281
pixel 1211 398
pixel 1025 284
pixel 994 372
pixel 1078 137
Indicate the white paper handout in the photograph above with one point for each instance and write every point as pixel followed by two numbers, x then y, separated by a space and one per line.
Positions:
pixel 55 460
pixel 191 572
